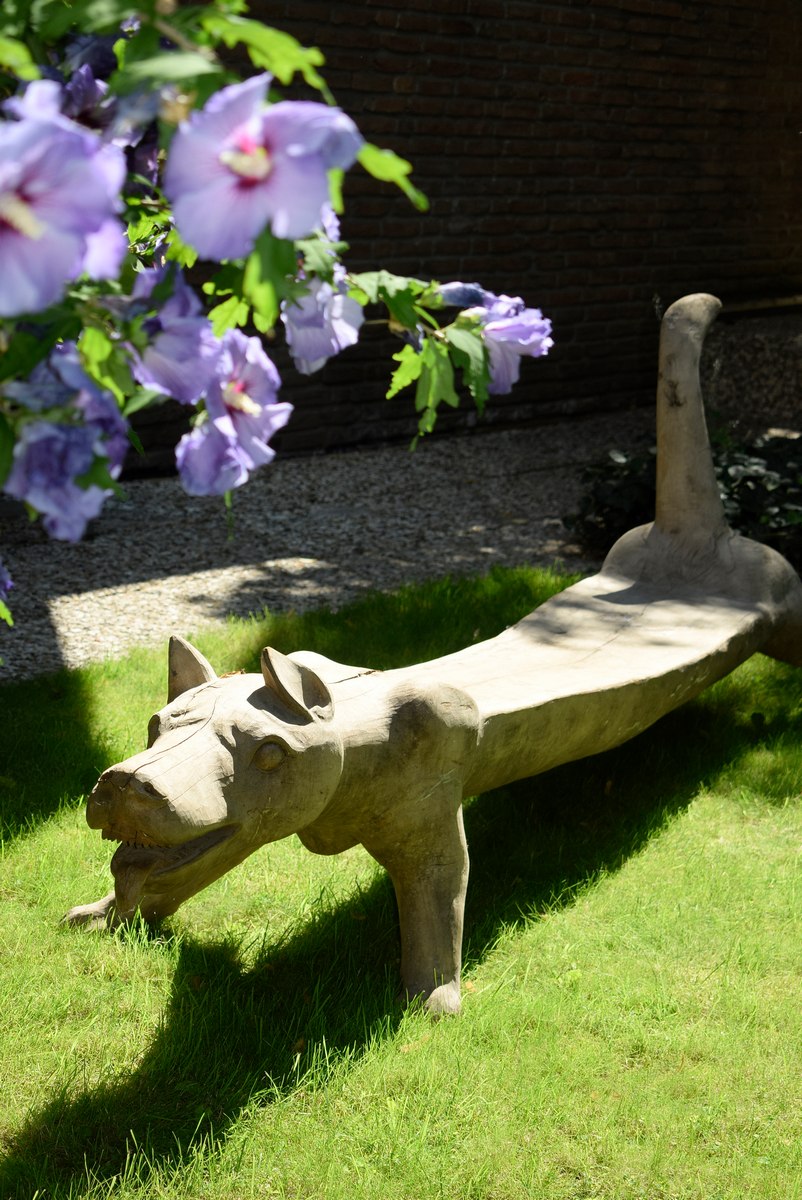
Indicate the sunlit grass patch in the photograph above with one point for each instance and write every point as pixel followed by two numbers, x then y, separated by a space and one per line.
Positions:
pixel 631 1023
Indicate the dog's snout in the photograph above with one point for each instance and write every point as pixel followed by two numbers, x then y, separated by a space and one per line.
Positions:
pixel 114 788
pixel 97 805
pixel 112 780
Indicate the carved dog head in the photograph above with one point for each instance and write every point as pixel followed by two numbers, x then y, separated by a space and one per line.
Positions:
pixel 231 763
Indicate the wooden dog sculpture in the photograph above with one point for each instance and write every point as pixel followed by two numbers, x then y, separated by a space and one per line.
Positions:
pixel 343 755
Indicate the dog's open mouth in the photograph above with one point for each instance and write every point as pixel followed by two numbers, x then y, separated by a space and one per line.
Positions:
pixel 133 863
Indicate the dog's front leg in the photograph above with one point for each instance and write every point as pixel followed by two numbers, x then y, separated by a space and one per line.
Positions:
pixel 100 915
pixel 427 861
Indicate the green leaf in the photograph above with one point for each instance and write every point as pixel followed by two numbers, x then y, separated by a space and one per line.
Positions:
pixel 141 398
pixel 411 364
pixel 379 285
pixel 336 177
pixel 269 268
pixel 398 292
pixel 136 441
pixel 436 383
pixel 146 227
pixel 22 355
pixel 15 18
pixel 173 66
pixel 426 423
pixel 404 311
pixel 106 361
pixel 16 58
pixel 6 448
pixel 388 167
pixel 320 255
pixel 280 53
pixel 470 354
pixel 180 252
pixel 468 343
pixel 5 614
pixel 53 18
pixel 24 350
pixel 229 314
pixel 95 345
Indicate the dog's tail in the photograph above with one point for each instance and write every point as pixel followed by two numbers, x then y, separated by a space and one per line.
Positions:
pixel 688 502
pixel 689 514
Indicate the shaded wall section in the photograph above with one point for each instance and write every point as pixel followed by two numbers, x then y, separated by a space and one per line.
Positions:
pixel 598 157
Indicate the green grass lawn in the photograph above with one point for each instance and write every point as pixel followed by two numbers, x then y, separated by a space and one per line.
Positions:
pixel 631 1026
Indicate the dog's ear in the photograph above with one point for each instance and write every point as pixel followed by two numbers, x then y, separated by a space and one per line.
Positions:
pixel 186 668
pixel 297 686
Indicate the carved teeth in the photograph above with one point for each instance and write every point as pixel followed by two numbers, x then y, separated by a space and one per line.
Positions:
pixel 140 842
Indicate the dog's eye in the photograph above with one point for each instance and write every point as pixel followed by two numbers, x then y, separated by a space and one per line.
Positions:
pixel 269 756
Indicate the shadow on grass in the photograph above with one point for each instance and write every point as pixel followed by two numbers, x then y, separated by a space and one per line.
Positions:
pixel 48 753
pixel 235 1036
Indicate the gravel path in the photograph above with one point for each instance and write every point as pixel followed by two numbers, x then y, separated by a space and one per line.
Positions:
pixel 308 532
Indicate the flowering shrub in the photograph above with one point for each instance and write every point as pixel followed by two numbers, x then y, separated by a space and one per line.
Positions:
pixel 129 150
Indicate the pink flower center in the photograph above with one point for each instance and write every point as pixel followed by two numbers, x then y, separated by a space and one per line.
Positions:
pixel 248 159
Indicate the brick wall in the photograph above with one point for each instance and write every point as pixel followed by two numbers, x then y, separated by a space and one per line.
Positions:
pixel 598 157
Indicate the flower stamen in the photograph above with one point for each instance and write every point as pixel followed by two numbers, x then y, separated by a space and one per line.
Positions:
pixel 20 216
pixel 235 397
pixel 249 160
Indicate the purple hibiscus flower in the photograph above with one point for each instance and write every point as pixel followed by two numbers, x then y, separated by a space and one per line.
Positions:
pixel 51 456
pixel 236 167
pixel 509 338
pixel 182 351
pixel 48 458
pixel 243 414
pixel 86 100
pixel 321 323
pixel 510 329
pixel 59 191
pixel 60 382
